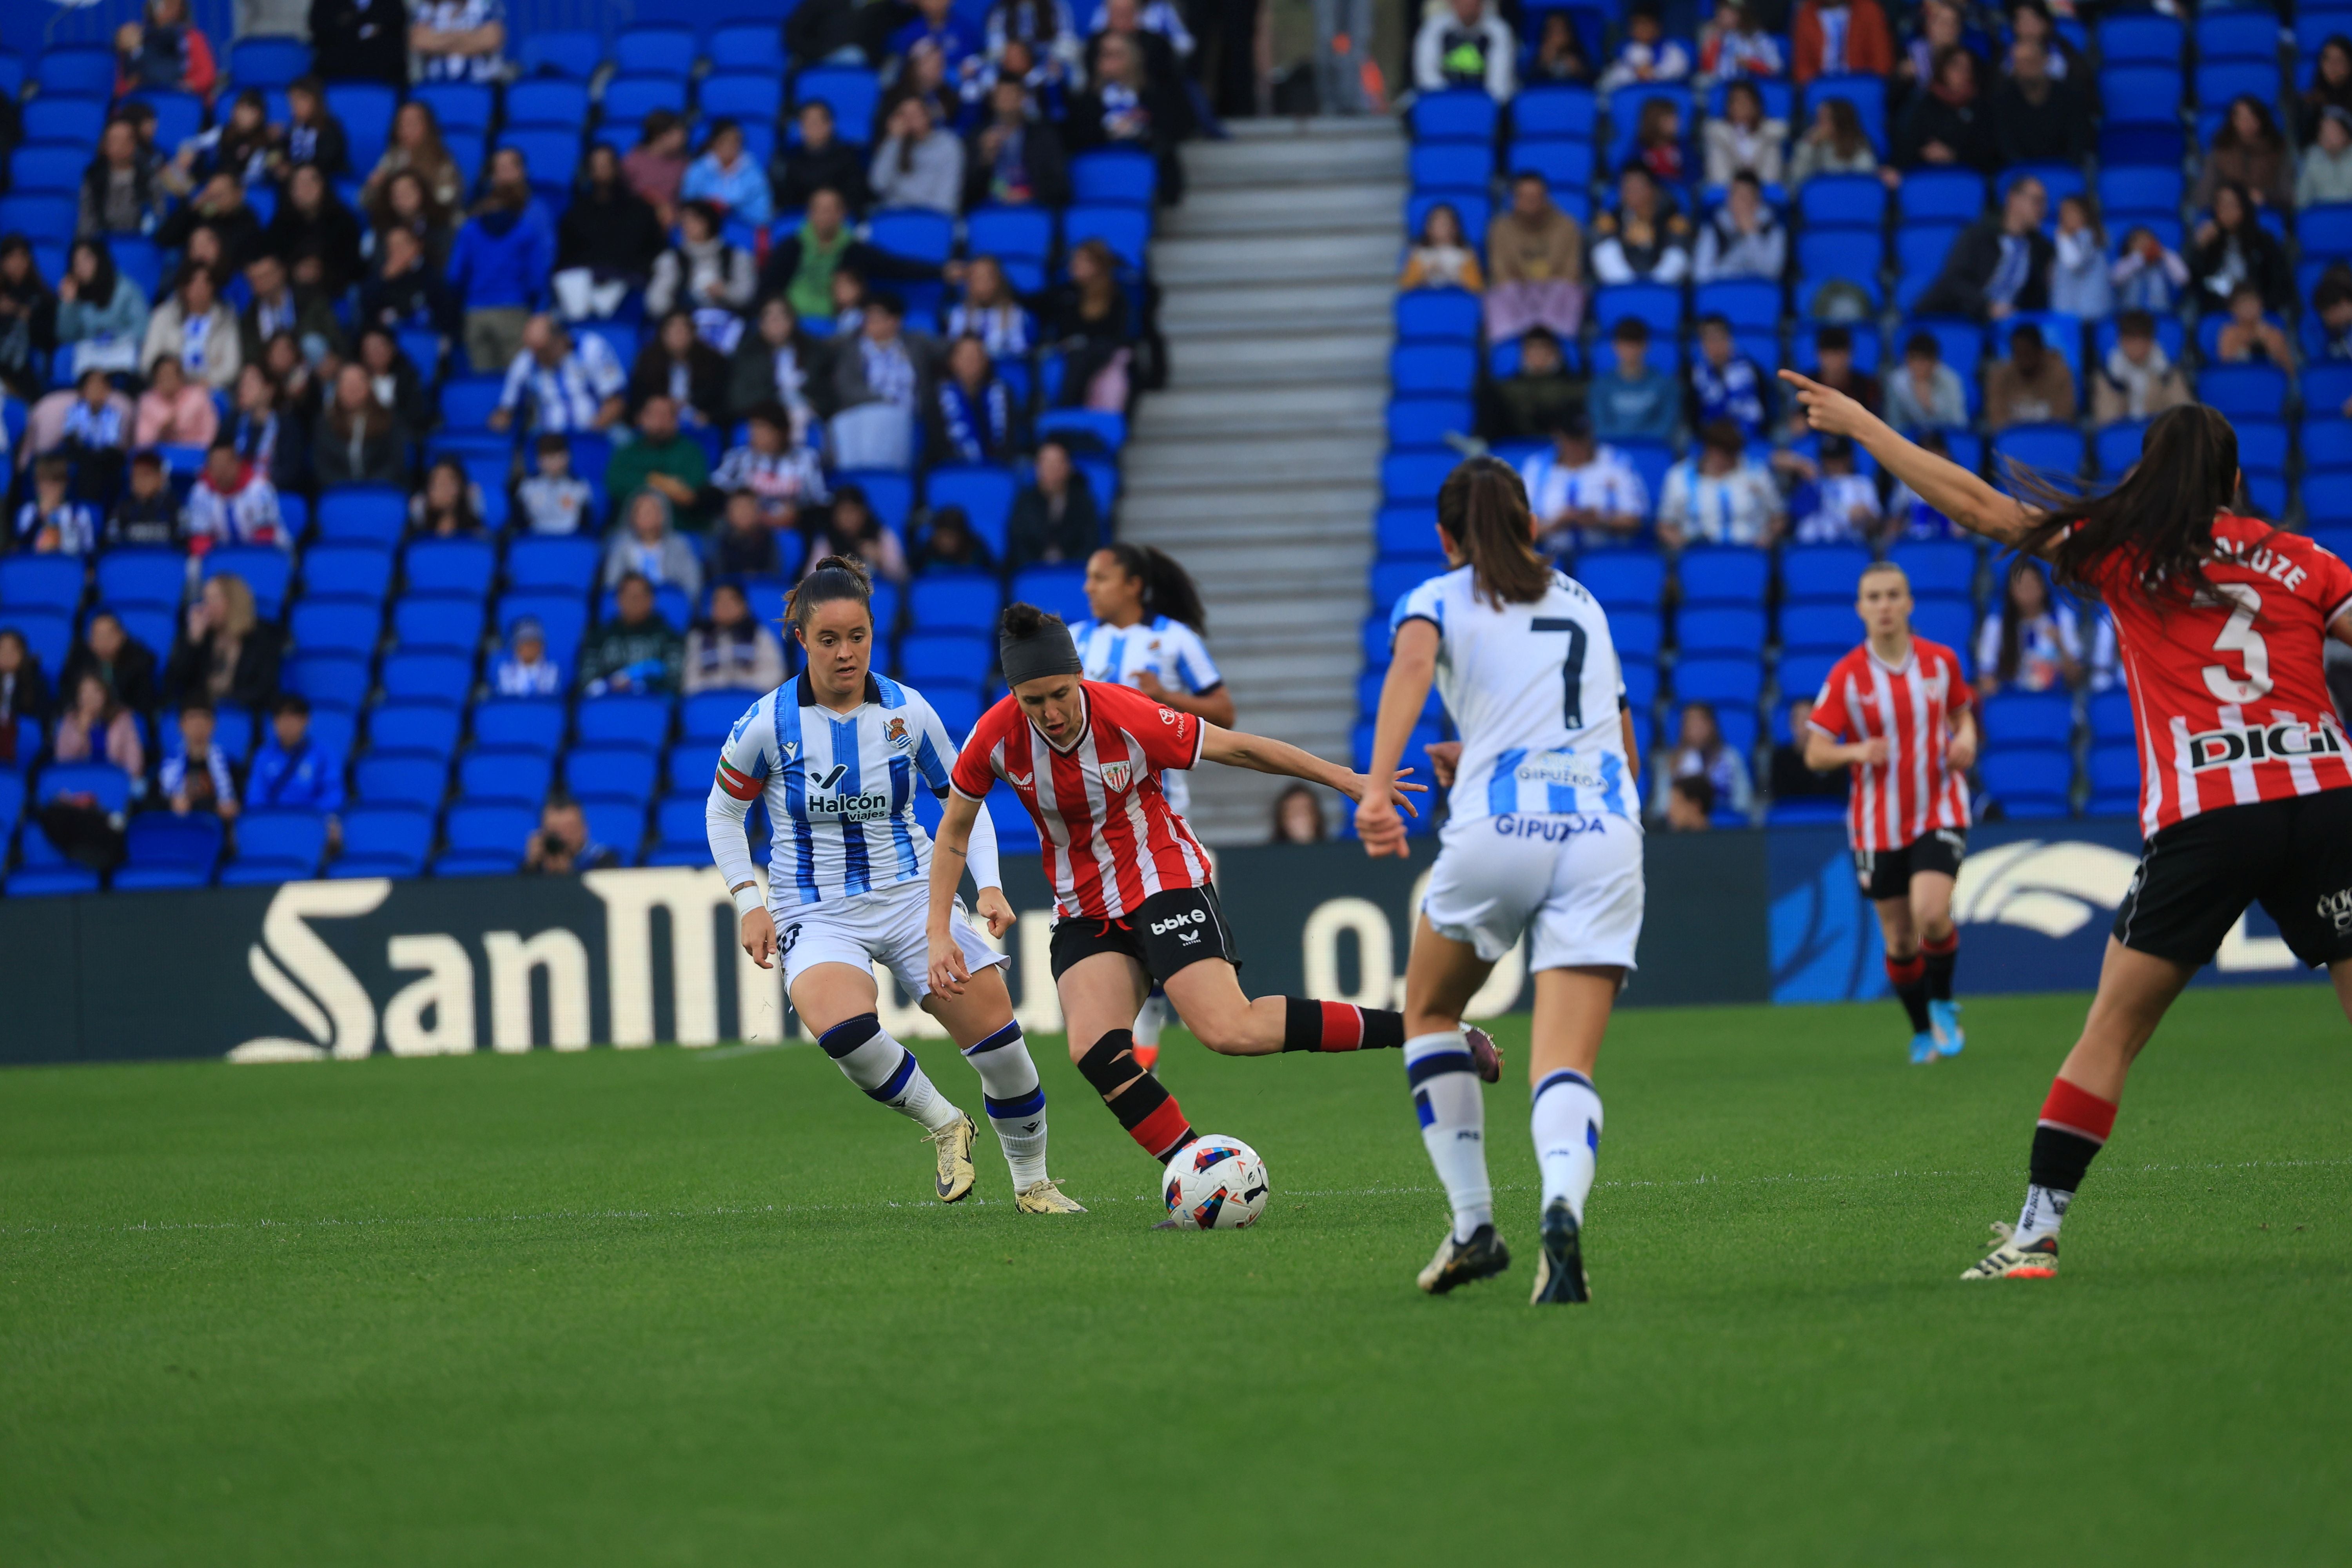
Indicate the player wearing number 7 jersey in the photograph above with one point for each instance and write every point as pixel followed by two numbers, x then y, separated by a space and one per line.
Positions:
pixel 2245 789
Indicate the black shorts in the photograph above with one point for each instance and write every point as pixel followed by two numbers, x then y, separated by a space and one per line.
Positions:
pixel 1887 873
pixel 2294 857
pixel 1165 932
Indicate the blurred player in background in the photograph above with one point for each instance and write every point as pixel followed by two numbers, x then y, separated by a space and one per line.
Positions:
pixel 1897 712
pixel 1133 905
pixel 2245 786
pixel 1542 840
pixel 838 754
pixel 1146 632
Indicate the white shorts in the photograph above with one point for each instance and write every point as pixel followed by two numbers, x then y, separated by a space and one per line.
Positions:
pixel 886 928
pixel 1571 882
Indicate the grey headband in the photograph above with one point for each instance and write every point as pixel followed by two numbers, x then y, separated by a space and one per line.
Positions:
pixel 1050 651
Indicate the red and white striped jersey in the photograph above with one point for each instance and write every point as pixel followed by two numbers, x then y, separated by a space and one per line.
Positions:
pixel 1110 838
pixel 2228 694
pixel 1915 791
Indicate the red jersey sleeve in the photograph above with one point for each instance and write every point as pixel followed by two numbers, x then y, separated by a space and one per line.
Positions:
pixel 2330 585
pixel 1171 739
pixel 1959 695
pixel 974 773
pixel 1829 715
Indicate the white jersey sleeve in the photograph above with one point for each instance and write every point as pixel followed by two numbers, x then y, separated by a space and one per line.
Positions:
pixel 1188 659
pixel 744 763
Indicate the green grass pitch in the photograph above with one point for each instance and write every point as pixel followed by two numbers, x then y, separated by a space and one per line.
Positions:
pixel 670 1307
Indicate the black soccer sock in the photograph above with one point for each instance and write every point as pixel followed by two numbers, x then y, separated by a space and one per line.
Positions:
pixel 1943 955
pixel 2074 1127
pixel 1909 975
pixel 1309 1026
pixel 1142 1104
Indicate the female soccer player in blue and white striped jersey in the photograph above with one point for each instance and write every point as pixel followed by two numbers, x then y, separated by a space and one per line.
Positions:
pixel 1146 632
pixel 838 754
pixel 1543 839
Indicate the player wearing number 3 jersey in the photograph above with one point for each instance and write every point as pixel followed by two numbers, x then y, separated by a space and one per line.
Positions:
pixel 2245 792
pixel 1543 840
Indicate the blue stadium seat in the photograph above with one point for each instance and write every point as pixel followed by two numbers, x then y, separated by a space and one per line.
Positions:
pixel 1954 196
pixel 64 121
pixel 749 45
pixel 467 402
pixel 494 831
pixel 267 570
pixel 1952 622
pixel 45 220
pixel 2111 717
pixel 575 53
pixel 618 823
pixel 456 567
pixel 363 514
pixel 466 105
pixel 41 582
pixel 48 633
pixel 76 69
pixel 1452 166
pixel 2325 231
pixel 1658 305
pixel 2137 188
pixel 1920 247
pixel 1550 111
pixel 2140 38
pixel 525 723
pixel 551 565
pixel 1115 177
pixel 555 104
pixel 2142 94
pixel 2117 447
pixel 442 622
pixel 501 773
pixel 2029 719
pixel 1822 571
pixel 1726 575
pixel 1016 232
pixel 954 603
pixel 1412 479
pixel 1843 201
pixel 400 779
pixel 1960 342
pixel 1623 579
pixel 689 767
pixel 853 93
pixel 927 658
pixel 1947 567
pixel 267 60
pixel 277 845
pixel 2243 391
pixel 890 494
pixel 624 720
pixel 47 168
pixel 335 627
pixel 707 717
pixel 1105 427
pixel 1638 633
pixel 1701 632
pixel 425 729
pixel 1126 230
pixel 2055 450
pixel 346 572
pixel 1816 628
pixel 1749 304
pixel 329 681
pixel 2113 773
pixel 2262 446
pixel 1428 421
pixel 914 236
pixel 428 677
pixel 1439 368
pixel 657 48
pixel 2251 34
pixel 1560 160
pixel 679 824
pixel 157 839
pixel 985 493
pixel 1802 674
pixel 1461 115
pixel 1061 589
pixel 750 96
pixel 2029 781
pixel 2219 82
pixel 612 772
pixel 1727 682
pixel 1437 315
pixel 366 109
pixel 1867 93
pixel 384 840
pixel 142 577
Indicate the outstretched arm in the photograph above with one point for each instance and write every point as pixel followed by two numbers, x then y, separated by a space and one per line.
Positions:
pixel 1940 482
pixel 1404 693
pixel 949 845
pixel 1259 754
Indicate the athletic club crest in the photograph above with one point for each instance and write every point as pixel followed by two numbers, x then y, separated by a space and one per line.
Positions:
pixel 895 732
pixel 1117 775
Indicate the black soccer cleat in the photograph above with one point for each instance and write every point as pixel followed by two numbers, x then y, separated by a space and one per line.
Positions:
pixel 1460 1262
pixel 1485 1056
pixel 1559 1270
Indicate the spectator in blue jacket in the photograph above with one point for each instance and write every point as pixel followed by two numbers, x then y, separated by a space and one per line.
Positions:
pixel 500 267
pixel 292 771
pixel 730 178
pixel 1726 384
pixel 1629 401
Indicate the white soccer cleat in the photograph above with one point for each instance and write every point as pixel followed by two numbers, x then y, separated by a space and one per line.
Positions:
pixel 953 1145
pixel 1045 1197
pixel 2035 1261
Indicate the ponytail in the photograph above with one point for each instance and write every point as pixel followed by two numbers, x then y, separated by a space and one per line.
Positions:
pixel 1168 589
pixel 1482 509
pixel 834 577
pixel 2160 515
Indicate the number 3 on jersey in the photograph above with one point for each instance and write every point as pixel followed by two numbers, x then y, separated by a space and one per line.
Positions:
pixel 2238 635
pixel 1571 668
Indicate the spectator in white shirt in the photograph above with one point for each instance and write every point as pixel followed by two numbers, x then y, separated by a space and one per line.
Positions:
pixel 1647 54
pixel 524 670
pixel 1743 238
pixel 2029 643
pixel 1744 139
pixel 1718 497
pixel 784 476
pixel 232 502
pixel 51 521
pixel 555 500
pixel 1647 239
pixel 459 40
pixel 1466 43
pixel 574 385
pixel 1843 505
pixel 1584 497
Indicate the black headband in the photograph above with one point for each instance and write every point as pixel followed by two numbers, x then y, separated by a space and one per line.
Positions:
pixel 1047 651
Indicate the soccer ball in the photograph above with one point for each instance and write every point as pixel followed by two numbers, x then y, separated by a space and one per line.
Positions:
pixel 1215 1183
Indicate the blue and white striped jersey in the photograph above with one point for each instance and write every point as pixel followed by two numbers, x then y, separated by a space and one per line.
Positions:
pixel 839 788
pixel 1174 654
pixel 1535 690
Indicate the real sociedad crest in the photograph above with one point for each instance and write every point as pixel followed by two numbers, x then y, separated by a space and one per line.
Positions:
pixel 1117 775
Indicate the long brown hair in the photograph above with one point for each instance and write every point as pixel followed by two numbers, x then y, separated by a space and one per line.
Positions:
pixel 1483 508
pixel 2161 513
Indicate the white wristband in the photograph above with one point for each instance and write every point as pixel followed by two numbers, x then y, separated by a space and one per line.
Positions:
pixel 748 897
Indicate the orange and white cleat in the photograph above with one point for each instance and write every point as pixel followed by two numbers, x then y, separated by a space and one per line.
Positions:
pixel 2035 1261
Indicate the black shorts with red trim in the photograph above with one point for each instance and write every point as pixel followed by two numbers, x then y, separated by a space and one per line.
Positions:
pixel 2291 856
pixel 1164 934
pixel 1887 873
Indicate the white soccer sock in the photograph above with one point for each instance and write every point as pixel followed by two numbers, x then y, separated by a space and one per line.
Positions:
pixel 1151 1020
pixel 1566 1121
pixel 1016 1102
pixel 887 1070
pixel 1453 1124
pixel 2044 1208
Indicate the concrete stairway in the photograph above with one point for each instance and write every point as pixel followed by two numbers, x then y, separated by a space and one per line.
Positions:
pixel 1259 466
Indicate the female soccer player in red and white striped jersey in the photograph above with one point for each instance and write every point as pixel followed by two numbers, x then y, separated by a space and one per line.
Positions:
pixel 1898 713
pixel 2245 786
pixel 1132 899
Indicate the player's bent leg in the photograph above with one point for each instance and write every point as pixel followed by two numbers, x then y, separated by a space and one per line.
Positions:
pixel 1441 976
pixel 1939 952
pixel 838 1001
pixel 1208 994
pixel 1907 971
pixel 1100 994
pixel 2135 991
pixel 980 1023
pixel 1572 1009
